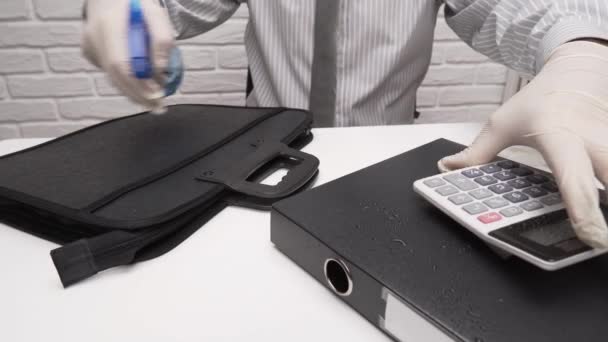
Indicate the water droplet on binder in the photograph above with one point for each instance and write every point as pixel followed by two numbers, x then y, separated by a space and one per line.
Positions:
pixel 472 313
pixel 401 242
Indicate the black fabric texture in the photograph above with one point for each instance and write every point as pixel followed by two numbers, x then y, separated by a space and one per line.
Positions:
pixel 92 155
pixel 130 189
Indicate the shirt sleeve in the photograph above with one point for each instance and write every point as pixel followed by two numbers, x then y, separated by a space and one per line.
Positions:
pixel 522 34
pixel 193 17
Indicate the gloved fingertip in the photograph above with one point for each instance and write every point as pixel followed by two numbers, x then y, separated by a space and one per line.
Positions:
pixel 160 110
pixel 455 161
pixel 593 232
pixel 598 242
pixel 156 96
pixel 441 165
pixel 152 90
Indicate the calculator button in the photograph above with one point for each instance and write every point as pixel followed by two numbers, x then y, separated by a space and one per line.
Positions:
pixel 460 199
pixel 550 186
pixel 486 180
pixel 446 190
pixel 552 199
pixel 535 192
pixel 511 211
pixel 504 175
pixel 434 182
pixel 500 188
pixel 461 182
pixel 522 171
pixel 481 193
pixel 516 197
pixel 489 218
pixel 519 183
pixel 475 208
pixel 537 179
pixel 508 164
pixel 532 205
pixel 472 173
pixel 496 202
pixel 490 168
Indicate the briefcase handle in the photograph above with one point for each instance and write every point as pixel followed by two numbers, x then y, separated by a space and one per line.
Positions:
pixel 269 157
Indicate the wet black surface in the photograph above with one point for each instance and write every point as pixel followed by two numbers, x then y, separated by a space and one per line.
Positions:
pixel 375 220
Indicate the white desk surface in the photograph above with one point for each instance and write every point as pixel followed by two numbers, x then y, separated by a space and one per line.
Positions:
pixel 227 282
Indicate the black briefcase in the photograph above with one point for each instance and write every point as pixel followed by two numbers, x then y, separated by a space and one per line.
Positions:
pixel 418 275
pixel 133 188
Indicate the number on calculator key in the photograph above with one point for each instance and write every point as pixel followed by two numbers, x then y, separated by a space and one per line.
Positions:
pixel 500 188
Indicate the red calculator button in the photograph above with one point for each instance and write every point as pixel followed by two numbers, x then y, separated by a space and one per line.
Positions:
pixel 489 218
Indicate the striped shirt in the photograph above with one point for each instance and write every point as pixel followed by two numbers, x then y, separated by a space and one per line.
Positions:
pixel 383 47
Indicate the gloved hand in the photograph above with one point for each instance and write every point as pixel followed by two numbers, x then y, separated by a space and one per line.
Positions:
pixel 105 44
pixel 563 113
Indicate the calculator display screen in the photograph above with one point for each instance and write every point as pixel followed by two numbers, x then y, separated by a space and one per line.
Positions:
pixel 549 237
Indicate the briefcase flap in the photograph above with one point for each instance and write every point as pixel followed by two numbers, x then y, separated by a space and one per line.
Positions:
pixel 144 169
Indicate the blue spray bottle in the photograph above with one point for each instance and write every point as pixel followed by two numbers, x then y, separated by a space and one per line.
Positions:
pixel 140 52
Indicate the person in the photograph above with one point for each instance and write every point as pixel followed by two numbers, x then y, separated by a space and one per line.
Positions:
pixel 361 62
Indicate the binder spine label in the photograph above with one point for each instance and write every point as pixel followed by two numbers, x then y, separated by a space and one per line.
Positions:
pixel 405 325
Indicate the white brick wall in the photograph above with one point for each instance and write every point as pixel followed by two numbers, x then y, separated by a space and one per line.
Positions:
pixel 48 89
pixel 461 85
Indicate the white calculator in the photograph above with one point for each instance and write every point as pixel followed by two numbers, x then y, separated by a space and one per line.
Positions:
pixel 511 206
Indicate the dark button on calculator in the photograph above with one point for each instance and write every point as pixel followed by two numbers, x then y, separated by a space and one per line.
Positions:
pixel 552 199
pixel 535 192
pixel 537 179
pixel 521 171
pixel 472 173
pixel 490 168
pixel 531 206
pixel 519 183
pixel 550 186
pixel 504 175
pixel 507 164
pixel 486 180
pixel 516 197
pixel 500 188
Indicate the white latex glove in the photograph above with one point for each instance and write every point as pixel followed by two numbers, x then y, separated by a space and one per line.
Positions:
pixel 563 113
pixel 105 44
